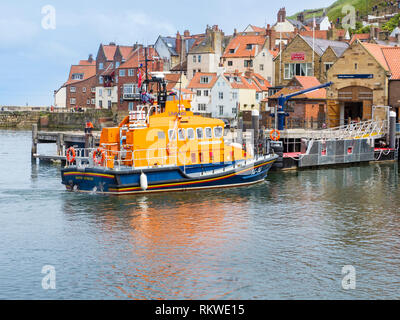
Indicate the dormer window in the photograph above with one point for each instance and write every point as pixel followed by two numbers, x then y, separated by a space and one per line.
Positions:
pixel 204 79
pixel 249 46
pixel 77 76
pixel 231 50
pixel 101 66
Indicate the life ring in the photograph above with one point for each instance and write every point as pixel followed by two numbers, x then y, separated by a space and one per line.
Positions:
pixel 99 156
pixel 275 135
pixel 71 155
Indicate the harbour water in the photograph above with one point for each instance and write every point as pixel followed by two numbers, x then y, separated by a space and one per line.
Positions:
pixel 287 238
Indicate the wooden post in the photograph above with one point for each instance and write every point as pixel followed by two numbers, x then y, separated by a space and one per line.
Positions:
pixel 34 141
pixel 60 144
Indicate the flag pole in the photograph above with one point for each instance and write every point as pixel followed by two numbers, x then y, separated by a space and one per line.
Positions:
pixel 313 53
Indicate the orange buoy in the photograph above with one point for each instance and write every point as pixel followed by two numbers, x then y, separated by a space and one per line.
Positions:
pixel 71 154
pixel 275 135
pixel 99 156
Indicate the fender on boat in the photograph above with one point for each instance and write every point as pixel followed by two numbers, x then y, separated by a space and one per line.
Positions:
pixel 143 182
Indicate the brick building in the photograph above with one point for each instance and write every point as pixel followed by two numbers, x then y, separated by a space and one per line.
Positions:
pixel 81 85
pixel 308 108
pixel 297 58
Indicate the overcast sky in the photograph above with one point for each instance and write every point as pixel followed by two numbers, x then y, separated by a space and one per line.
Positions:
pixel 36 61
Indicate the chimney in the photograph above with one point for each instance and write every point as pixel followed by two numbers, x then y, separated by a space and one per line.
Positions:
pixel 90 59
pixel 300 17
pixel 282 15
pixel 186 33
pixel 112 44
pixel 178 44
pixel 234 32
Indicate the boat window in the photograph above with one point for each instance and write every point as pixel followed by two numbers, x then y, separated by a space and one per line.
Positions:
pixel 199 132
pixel 208 133
pixel 181 134
pixel 190 134
pixel 161 135
pixel 218 132
pixel 171 134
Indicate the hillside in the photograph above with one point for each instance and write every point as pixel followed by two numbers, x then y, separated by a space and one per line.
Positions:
pixel 334 11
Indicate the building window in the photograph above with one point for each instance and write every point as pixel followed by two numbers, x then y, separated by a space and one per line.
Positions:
pixel 84 89
pixel 231 50
pixel 248 63
pixel 234 110
pixel 109 104
pixel 204 79
pixel 220 95
pixel 201 107
pixel 88 101
pixel 77 76
pixel 122 73
pixel 257 96
pixel 131 72
pixel 130 89
pixel 249 46
pixel 93 90
pixel 230 63
pixel 199 93
pixel 72 101
pixel 93 101
pixel 117 64
pixel 261 67
pixel 100 92
pixel 199 58
pixel 328 65
pixel 109 92
pixel 130 106
pixel 206 93
pixel 356 66
pixel 116 79
pixel 194 73
pixel 101 80
pixel 234 95
pixel 221 110
pixel 101 103
pixel 194 59
pixel 297 69
pixel 101 66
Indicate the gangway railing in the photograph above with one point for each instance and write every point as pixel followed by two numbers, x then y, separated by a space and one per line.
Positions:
pixel 355 130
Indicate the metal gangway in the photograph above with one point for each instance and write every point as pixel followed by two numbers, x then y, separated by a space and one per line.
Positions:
pixel 371 129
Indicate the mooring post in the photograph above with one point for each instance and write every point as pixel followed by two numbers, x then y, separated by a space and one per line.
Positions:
pixel 392 130
pixel 60 144
pixel 255 119
pixel 34 141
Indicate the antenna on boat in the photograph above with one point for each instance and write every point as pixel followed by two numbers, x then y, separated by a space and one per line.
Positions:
pixel 180 78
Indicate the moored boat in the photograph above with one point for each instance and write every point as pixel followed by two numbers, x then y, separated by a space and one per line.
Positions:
pixel 164 147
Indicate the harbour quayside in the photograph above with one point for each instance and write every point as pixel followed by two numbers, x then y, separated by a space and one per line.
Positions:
pixel 163 146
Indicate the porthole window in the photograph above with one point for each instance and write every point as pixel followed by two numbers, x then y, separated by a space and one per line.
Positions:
pixel 190 134
pixel 218 132
pixel 199 132
pixel 171 134
pixel 208 133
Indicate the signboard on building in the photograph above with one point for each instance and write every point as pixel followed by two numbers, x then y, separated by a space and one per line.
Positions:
pixel 298 56
pixel 355 76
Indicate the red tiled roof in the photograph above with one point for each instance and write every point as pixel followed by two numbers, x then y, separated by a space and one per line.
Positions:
pixel 109 51
pixel 361 36
pixel 137 57
pixel 172 80
pixel 87 70
pixel 376 51
pixel 304 83
pixel 239 44
pixel 195 82
pixel 392 56
pixel 257 29
pixel 125 51
pixel 319 34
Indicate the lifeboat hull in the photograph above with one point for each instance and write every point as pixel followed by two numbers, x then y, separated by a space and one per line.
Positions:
pixel 166 179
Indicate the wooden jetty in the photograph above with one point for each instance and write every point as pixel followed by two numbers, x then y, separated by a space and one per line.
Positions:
pixel 63 140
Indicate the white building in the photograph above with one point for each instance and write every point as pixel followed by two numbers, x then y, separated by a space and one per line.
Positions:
pixel 106 96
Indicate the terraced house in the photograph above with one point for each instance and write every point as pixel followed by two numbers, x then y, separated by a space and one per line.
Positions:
pixel 305 56
pixel 365 82
pixel 79 90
